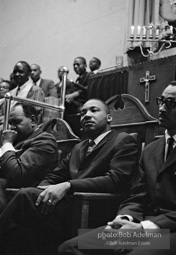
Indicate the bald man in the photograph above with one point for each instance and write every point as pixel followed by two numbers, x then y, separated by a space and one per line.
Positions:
pixel 47 86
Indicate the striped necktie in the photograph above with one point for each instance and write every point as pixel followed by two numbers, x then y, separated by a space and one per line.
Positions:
pixel 90 147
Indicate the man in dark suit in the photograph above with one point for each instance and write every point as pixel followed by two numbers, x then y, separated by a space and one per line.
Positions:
pixel 47 86
pixel 105 162
pixel 152 206
pixel 27 153
pixel 76 99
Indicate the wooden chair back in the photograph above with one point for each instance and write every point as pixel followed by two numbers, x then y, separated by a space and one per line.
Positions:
pixel 130 115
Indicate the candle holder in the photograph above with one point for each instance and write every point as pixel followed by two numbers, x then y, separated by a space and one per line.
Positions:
pixel 157 37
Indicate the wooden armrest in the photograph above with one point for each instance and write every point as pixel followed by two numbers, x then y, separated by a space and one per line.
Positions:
pixel 11 192
pixel 91 210
pixel 98 196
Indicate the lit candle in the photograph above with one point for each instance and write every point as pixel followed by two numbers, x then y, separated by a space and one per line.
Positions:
pixel 150 32
pixel 144 32
pixel 138 31
pixel 132 31
pixel 171 29
pixel 157 33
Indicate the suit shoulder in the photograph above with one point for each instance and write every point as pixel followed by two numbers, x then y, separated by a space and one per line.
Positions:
pixel 46 136
pixel 154 144
pixel 47 81
pixel 124 135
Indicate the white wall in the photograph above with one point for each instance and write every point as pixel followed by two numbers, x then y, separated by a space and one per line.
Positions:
pixel 53 32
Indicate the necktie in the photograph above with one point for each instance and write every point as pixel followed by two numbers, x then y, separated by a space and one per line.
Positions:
pixel 170 142
pixel 18 89
pixel 90 147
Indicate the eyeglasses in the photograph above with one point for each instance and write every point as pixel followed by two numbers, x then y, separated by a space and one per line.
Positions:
pixel 169 102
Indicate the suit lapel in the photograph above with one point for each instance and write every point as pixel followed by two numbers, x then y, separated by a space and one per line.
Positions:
pixel 160 153
pixel 41 83
pixel 171 159
pixel 83 149
pixel 160 156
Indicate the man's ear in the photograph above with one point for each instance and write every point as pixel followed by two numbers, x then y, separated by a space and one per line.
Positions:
pixel 109 118
pixel 33 120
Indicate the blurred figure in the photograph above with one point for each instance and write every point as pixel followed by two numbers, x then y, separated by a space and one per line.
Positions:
pixel 94 65
pixel 47 86
pixel 70 88
pixel 1 79
pixel 5 86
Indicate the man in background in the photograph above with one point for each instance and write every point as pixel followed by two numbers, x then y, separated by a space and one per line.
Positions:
pixel 94 65
pixel 25 87
pixel 76 99
pixel 47 86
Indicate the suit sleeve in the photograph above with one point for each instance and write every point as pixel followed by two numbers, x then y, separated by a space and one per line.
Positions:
pixel 59 174
pixel 52 89
pixel 119 174
pixel 32 163
pixel 136 204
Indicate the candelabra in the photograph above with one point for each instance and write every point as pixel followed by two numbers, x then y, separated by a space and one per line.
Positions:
pixel 157 37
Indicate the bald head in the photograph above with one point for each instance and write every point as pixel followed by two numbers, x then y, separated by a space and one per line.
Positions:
pixel 35 72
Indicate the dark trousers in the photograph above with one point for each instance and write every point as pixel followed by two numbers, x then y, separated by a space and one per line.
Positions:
pixel 89 240
pixel 22 216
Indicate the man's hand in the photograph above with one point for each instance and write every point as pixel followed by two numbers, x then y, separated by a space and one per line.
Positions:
pixel 123 224
pixel 51 195
pixel 8 136
pixel 70 97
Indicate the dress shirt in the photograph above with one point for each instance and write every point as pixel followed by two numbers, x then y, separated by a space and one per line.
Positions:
pixel 23 91
pixel 6 147
pixel 100 137
pixel 38 82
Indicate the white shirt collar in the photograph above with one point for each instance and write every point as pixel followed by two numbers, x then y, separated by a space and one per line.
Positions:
pixel 100 137
pixel 168 136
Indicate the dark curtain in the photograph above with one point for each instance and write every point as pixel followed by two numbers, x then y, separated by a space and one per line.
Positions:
pixel 107 84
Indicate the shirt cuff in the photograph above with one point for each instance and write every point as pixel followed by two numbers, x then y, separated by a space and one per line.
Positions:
pixel 125 217
pixel 6 147
pixel 147 224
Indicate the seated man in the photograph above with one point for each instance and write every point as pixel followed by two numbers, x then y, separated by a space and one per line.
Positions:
pixel 152 206
pixel 105 162
pixel 27 153
pixel 75 100
pixel 25 87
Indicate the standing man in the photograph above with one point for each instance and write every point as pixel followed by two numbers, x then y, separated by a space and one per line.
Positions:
pixel 152 205
pixel 47 86
pixel 94 65
pixel 27 153
pixel 105 162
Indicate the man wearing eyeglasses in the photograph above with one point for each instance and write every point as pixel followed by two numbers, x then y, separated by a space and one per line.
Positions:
pixel 151 207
